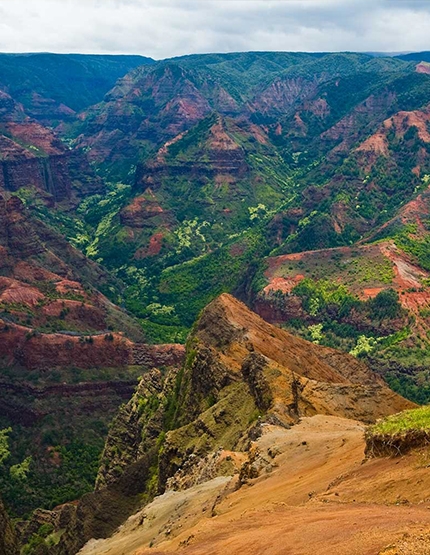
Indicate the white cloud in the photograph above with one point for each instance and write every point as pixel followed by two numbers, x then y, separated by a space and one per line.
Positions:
pixel 166 28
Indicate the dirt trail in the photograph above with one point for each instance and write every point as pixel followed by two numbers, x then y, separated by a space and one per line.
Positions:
pixel 315 495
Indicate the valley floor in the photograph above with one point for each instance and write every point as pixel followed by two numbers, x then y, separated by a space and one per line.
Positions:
pixel 316 494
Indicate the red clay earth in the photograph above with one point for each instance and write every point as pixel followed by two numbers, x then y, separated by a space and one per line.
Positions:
pixel 317 495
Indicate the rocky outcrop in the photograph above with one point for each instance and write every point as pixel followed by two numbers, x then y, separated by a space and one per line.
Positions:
pixel 135 429
pixel 239 366
pixel 158 355
pixel 219 157
pixel 40 351
pixel 32 156
pixel 8 543
pixel 128 466
pixel 239 374
pixel 51 175
pixel 145 212
pixel 284 377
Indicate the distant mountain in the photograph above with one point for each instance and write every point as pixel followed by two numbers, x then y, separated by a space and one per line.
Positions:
pixel 415 56
pixel 235 152
pixel 54 86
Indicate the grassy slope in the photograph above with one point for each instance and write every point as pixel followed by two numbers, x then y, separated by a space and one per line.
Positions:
pixel 403 422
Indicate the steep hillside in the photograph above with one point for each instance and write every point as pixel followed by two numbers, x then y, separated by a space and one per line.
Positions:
pixel 154 104
pixel 182 428
pixel 37 93
pixel 69 357
pixel 371 299
pixel 33 158
pixel 311 490
pixel 34 161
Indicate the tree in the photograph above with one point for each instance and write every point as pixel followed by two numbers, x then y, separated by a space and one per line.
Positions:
pixel 4 444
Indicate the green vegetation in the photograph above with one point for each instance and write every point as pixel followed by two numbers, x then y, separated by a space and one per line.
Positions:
pixel 415 244
pixel 45 537
pixel 56 459
pixel 53 474
pixel 334 317
pixel 4 446
pixel 415 387
pixel 404 422
pixel 175 230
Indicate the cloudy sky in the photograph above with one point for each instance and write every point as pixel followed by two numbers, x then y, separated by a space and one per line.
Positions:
pixel 164 28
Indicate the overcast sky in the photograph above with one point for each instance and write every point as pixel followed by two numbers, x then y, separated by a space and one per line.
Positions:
pixel 164 28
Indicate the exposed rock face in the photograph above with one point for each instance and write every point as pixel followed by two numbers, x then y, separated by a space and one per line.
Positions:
pixel 145 211
pixel 254 367
pixel 32 156
pixel 283 94
pixel 19 236
pixel 240 372
pixel 158 355
pixel 219 154
pixel 284 374
pixel 134 430
pixel 128 466
pixel 40 351
pixel 8 543
pixel 51 175
pixel 368 113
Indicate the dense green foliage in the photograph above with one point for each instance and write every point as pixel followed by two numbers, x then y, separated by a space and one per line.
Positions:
pixel 416 245
pixel 54 459
pixel 54 473
pixel 336 318
pixel 412 387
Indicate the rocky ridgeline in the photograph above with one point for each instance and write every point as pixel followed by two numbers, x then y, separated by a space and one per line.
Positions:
pixel 39 351
pixel 240 373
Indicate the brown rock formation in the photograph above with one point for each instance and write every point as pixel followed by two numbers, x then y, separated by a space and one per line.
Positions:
pixel 237 367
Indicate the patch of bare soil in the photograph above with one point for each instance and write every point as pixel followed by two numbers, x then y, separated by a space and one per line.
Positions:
pixel 283 284
pixel 14 291
pixel 377 144
pixel 423 67
pixel 403 121
pixel 315 494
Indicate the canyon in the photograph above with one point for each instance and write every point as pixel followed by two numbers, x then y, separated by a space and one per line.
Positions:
pixel 212 270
